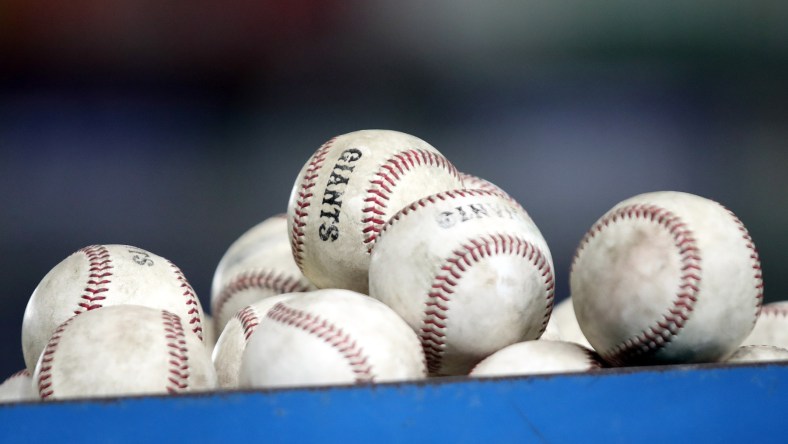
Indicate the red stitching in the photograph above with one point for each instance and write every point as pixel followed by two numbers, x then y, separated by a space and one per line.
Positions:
pixel 303 202
pixel 756 263
pixel 45 389
pixel 452 194
pixel 178 379
pixel 330 334
pixel 433 329
pixel 382 182
pixel 23 372
pixel 472 182
pixel 99 265
pixel 661 332
pixel 192 303
pixel 775 309
pixel 249 320
pixel 259 279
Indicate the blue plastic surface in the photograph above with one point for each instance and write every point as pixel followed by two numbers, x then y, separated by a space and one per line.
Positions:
pixel 671 404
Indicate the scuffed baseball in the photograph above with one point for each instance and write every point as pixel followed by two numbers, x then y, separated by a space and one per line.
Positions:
pixel 758 353
pixel 105 275
pixel 469 271
pixel 563 325
pixel 123 350
pixel 257 265
pixel 346 192
pixel 538 357
pixel 551 331
pixel 231 344
pixel 209 332
pixel 771 328
pixel 666 277
pixel 472 182
pixel 330 337
pixel 18 387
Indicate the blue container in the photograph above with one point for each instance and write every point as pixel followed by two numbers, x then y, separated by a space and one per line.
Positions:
pixel 672 404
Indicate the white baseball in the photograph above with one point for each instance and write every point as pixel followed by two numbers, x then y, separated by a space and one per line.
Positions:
pixel 758 353
pixel 538 357
pixel 551 331
pixel 469 271
pixel 472 182
pixel 18 387
pixel 563 325
pixel 330 337
pixel 257 265
pixel 104 275
pixel 209 332
pixel 123 350
pixel 232 342
pixel 346 192
pixel 771 328
pixel 666 277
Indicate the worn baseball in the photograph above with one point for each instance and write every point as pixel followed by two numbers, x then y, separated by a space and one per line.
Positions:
pixel 666 277
pixel 104 275
pixel 231 344
pixel 758 353
pixel 330 337
pixel 123 350
pixel 257 265
pixel 469 271
pixel 18 387
pixel 771 328
pixel 563 325
pixel 346 192
pixel 538 357
pixel 472 182
pixel 209 332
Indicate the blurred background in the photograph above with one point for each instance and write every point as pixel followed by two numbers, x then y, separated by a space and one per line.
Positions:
pixel 176 126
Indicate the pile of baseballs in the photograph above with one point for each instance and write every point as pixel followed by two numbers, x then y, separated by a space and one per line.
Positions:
pixel 391 265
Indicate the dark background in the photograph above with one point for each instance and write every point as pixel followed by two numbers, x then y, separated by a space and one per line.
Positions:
pixel 176 126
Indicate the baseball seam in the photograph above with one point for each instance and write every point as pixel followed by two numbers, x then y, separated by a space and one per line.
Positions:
pixel 178 361
pixel 471 182
pixel 303 202
pixel 192 303
pixel 249 321
pixel 756 264
pixel 443 196
pixel 279 282
pixel 384 181
pixel 23 372
pixel 330 334
pixel 594 360
pixel 99 269
pixel 434 322
pixel 659 334
pixel 45 388
pixel 775 309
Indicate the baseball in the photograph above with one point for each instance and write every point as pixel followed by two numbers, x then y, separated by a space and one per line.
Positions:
pixel 18 387
pixel 103 275
pixel 563 324
pixel 330 337
pixel 123 350
pixel 469 271
pixel 771 328
pixel 209 332
pixel 538 357
pixel 472 182
pixel 346 192
pixel 666 277
pixel 759 353
pixel 232 342
pixel 257 265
